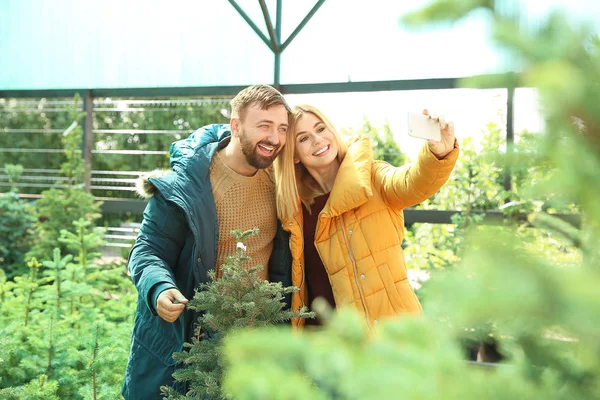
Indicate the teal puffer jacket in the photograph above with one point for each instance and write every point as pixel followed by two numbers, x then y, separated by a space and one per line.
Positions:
pixel 176 247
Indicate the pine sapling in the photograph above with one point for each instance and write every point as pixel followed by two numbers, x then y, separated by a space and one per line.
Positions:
pixel 73 168
pixel 93 364
pixel 50 346
pixel 34 265
pixel 2 286
pixel 239 299
pixel 56 265
pixel 84 241
pixel 14 172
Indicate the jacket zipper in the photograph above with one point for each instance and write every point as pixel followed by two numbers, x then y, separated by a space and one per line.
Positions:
pixel 355 271
pixel 301 267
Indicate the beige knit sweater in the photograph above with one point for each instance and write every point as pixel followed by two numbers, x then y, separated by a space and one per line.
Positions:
pixel 243 203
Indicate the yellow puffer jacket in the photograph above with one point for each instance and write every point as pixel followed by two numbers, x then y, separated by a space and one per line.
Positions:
pixel 360 230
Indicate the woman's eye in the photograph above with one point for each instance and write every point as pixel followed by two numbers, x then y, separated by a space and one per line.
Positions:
pixel 302 139
pixel 320 129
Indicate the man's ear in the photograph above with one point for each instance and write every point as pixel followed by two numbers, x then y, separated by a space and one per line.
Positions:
pixel 234 123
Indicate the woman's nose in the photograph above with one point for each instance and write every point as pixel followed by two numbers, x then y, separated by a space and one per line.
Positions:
pixel 317 139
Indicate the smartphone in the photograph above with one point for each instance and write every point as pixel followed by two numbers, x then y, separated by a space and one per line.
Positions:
pixel 423 127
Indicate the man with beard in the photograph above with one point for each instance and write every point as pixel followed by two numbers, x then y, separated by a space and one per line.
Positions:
pixel 220 180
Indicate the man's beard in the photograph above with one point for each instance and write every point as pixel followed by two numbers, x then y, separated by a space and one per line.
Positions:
pixel 255 159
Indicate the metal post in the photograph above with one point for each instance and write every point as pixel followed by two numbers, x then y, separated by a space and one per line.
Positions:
pixel 277 68
pixel 88 139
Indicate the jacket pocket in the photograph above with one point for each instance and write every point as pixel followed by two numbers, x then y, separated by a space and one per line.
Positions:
pixel 388 283
pixel 158 338
pixel 144 375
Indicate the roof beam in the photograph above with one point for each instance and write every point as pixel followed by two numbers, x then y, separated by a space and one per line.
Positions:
pixel 252 24
pixel 302 24
pixel 269 23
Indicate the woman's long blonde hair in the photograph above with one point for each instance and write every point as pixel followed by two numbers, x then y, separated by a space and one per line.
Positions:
pixel 294 183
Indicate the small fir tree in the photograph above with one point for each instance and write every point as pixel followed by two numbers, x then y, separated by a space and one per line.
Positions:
pixel 239 299
pixel 58 207
pixel 16 230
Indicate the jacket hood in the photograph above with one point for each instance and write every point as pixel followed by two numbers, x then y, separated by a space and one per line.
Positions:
pixel 185 156
pixel 185 150
pixel 144 188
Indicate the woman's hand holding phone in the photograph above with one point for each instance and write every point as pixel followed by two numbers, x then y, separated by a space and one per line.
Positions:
pixel 438 132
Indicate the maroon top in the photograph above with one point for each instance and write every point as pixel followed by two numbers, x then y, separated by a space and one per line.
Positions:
pixel 317 281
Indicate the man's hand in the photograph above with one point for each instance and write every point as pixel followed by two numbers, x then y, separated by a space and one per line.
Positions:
pixel 446 145
pixel 170 304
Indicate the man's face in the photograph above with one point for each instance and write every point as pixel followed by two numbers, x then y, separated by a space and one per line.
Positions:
pixel 262 134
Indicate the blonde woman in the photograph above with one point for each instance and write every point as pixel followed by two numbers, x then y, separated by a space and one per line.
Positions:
pixel 344 213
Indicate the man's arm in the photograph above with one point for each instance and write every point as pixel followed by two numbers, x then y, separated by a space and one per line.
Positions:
pixel 156 250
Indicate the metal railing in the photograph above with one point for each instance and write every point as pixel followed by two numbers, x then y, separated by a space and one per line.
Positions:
pixel 122 236
pixel 98 181
pixel 101 182
pixel 50 178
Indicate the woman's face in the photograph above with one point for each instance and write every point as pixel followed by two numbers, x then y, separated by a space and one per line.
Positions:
pixel 316 145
